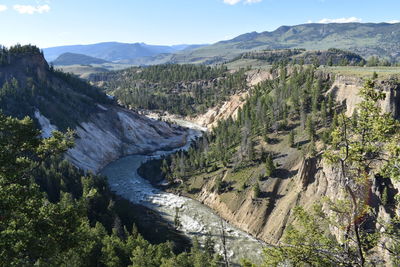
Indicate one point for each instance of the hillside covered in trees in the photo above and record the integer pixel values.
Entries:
(289, 120)
(56, 215)
(27, 81)
(330, 57)
(52, 213)
(178, 89)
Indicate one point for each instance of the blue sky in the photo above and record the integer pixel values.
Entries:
(60, 22)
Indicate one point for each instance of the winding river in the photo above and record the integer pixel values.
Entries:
(197, 219)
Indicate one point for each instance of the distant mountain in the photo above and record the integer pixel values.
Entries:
(67, 59)
(365, 39)
(114, 51)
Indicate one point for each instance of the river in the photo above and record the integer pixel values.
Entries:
(197, 219)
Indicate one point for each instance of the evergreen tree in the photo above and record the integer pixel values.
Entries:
(269, 166)
(291, 138)
(310, 128)
(256, 190)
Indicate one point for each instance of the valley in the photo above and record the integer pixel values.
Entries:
(269, 149)
(196, 220)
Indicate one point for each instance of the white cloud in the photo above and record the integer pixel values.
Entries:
(393, 21)
(252, 1)
(3, 8)
(28, 9)
(234, 2)
(340, 20)
(231, 2)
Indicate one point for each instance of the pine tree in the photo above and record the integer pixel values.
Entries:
(357, 147)
(310, 129)
(291, 138)
(324, 113)
(269, 166)
(256, 190)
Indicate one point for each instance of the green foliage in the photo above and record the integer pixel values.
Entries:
(310, 129)
(269, 166)
(29, 85)
(8, 55)
(218, 185)
(392, 233)
(330, 57)
(359, 145)
(179, 89)
(62, 225)
(385, 197)
(256, 190)
(291, 138)
(236, 144)
(309, 243)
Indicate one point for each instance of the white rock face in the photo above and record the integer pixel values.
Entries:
(47, 127)
(116, 132)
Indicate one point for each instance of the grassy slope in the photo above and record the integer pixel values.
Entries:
(366, 39)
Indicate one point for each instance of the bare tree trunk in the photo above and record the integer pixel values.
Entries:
(352, 195)
(355, 224)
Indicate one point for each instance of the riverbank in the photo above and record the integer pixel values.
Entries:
(151, 225)
(197, 220)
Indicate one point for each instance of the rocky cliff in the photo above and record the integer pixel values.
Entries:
(115, 132)
(345, 90)
(104, 130)
(312, 179)
(118, 132)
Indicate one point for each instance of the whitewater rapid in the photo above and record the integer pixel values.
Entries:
(197, 219)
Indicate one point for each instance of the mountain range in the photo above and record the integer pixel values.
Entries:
(114, 51)
(74, 58)
(365, 39)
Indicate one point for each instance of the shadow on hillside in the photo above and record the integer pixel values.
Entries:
(302, 143)
(284, 173)
(270, 195)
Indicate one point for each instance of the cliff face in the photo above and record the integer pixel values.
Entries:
(117, 132)
(345, 90)
(104, 131)
(267, 217)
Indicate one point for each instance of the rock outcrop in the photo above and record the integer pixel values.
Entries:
(267, 217)
(117, 132)
(346, 91)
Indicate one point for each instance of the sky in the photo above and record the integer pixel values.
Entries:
(48, 23)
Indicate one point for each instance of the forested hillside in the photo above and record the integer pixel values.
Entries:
(52, 213)
(28, 83)
(178, 89)
(292, 111)
(330, 57)
(55, 215)
(287, 121)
